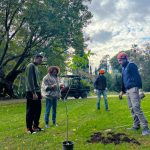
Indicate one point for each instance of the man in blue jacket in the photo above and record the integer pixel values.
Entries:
(131, 83)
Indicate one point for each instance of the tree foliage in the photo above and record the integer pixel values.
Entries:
(141, 57)
(28, 27)
(104, 63)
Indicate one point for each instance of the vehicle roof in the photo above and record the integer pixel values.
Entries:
(71, 76)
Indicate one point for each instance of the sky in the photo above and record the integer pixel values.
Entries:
(117, 25)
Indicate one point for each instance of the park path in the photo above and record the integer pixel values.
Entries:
(10, 101)
(24, 100)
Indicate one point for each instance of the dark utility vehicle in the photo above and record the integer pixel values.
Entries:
(73, 86)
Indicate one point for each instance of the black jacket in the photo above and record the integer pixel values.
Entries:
(100, 83)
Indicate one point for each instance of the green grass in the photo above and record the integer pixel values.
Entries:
(84, 120)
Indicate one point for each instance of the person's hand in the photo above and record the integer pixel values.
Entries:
(120, 95)
(95, 91)
(53, 86)
(141, 94)
(62, 86)
(35, 97)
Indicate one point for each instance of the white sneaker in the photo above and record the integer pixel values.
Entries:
(46, 126)
(146, 132)
(55, 124)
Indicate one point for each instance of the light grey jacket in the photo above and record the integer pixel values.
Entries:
(46, 87)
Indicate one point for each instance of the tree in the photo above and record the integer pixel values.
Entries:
(139, 56)
(79, 64)
(104, 63)
(28, 27)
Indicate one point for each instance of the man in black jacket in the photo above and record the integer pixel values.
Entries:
(100, 86)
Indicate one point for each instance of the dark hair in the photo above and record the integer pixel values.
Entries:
(38, 56)
(50, 69)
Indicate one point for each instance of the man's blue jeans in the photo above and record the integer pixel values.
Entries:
(104, 93)
(50, 103)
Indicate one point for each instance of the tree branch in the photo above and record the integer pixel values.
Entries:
(7, 28)
(12, 58)
(17, 28)
(13, 15)
(4, 52)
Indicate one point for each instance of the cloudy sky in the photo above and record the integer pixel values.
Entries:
(116, 25)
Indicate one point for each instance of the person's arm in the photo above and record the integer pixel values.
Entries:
(30, 78)
(95, 83)
(135, 75)
(49, 83)
(122, 85)
(105, 83)
(122, 89)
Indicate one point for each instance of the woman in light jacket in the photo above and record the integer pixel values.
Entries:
(51, 92)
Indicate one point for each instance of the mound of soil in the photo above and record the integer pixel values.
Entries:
(111, 137)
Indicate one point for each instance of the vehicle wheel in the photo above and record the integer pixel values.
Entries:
(76, 96)
(63, 97)
(84, 95)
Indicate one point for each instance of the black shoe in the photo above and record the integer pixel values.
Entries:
(37, 129)
(30, 131)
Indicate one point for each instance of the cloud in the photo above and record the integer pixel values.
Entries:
(102, 36)
(120, 9)
(100, 8)
(116, 25)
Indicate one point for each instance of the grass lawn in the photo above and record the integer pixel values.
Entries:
(84, 120)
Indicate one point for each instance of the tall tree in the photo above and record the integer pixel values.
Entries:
(141, 57)
(104, 63)
(33, 26)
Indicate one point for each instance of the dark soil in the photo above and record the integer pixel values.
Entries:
(111, 137)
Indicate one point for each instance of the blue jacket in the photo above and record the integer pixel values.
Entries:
(130, 77)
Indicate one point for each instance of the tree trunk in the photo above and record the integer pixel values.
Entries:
(6, 84)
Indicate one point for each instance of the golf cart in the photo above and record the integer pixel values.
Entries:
(72, 85)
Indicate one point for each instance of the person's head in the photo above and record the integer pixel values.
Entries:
(53, 70)
(122, 58)
(38, 59)
(101, 71)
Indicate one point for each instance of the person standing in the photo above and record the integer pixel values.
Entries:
(51, 92)
(100, 85)
(131, 83)
(33, 95)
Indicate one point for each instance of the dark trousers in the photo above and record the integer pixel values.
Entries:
(33, 110)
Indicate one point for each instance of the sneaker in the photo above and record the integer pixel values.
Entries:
(145, 132)
(37, 129)
(55, 124)
(28, 131)
(107, 110)
(134, 128)
(46, 126)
